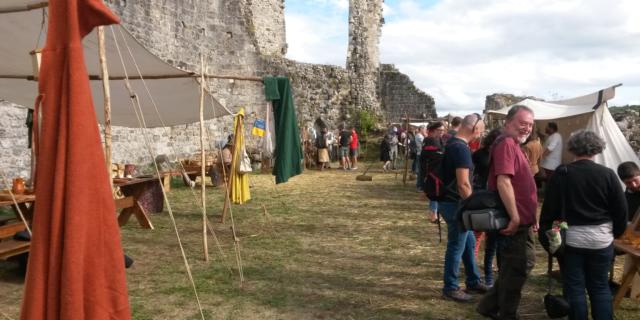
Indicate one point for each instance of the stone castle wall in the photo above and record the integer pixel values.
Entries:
(365, 26)
(15, 158)
(400, 96)
(500, 100)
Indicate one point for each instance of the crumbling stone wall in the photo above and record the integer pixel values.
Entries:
(500, 100)
(399, 96)
(365, 25)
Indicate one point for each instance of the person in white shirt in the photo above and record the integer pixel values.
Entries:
(415, 166)
(552, 155)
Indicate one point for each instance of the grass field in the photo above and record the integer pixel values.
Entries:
(330, 247)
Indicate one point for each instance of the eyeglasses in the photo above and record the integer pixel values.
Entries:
(479, 117)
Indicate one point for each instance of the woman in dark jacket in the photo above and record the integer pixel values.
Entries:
(385, 149)
(596, 211)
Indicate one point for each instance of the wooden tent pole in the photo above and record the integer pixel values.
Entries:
(203, 159)
(234, 166)
(104, 71)
(406, 149)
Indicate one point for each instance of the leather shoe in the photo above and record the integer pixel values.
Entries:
(480, 288)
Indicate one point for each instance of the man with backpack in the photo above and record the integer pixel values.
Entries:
(456, 172)
(429, 163)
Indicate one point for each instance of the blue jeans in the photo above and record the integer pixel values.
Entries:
(460, 247)
(433, 205)
(588, 269)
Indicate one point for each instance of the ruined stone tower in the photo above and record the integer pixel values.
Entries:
(363, 61)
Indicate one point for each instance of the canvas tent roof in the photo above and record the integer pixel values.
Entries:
(585, 112)
(175, 92)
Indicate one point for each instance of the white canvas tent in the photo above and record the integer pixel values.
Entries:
(417, 124)
(175, 92)
(585, 112)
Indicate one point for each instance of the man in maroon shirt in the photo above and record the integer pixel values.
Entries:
(510, 175)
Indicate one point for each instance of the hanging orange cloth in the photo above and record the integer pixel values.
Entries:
(76, 264)
(239, 181)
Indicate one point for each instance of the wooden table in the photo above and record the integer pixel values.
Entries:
(8, 227)
(142, 196)
(633, 253)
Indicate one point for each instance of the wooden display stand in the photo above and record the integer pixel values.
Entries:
(10, 225)
(630, 244)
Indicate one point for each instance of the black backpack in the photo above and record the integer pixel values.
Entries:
(431, 172)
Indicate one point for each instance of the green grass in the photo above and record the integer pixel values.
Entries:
(335, 248)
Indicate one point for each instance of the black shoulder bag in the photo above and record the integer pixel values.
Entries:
(483, 210)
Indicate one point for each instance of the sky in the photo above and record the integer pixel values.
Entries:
(460, 51)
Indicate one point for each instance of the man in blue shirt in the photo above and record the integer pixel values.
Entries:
(457, 170)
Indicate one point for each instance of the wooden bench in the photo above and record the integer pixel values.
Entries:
(130, 207)
(8, 246)
(5, 219)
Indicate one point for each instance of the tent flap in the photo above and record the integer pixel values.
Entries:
(174, 91)
(579, 113)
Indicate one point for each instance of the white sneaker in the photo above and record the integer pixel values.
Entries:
(192, 184)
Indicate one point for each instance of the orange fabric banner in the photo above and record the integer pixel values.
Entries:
(76, 264)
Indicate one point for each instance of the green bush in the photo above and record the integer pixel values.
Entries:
(367, 121)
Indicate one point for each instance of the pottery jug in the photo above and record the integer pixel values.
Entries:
(18, 186)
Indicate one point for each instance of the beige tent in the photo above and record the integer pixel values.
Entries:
(585, 112)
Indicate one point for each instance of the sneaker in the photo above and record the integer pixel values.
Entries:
(457, 295)
(192, 184)
(480, 288)
(354, 168)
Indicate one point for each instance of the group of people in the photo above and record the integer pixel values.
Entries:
(348, 146)
(584, 194)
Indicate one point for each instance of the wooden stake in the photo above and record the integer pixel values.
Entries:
(234, 168)
(203, 159)
(104, 71)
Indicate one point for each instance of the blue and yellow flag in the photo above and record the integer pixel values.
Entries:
(259, 127)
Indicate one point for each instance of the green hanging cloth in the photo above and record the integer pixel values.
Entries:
(288, 152)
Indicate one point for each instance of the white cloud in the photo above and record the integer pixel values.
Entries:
(459, 51)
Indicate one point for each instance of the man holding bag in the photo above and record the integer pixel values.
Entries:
(510, 175)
